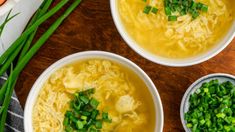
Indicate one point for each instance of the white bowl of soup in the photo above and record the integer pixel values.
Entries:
(184, 42)
(122, 89)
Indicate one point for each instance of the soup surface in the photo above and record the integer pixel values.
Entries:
(178, 39)
(119, 90)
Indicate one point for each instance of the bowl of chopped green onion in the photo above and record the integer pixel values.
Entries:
(209, 104)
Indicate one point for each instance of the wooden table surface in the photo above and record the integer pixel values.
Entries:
(91, 27)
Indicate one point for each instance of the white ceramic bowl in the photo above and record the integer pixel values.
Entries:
(88, 55)
(167, 61)
(196, 85)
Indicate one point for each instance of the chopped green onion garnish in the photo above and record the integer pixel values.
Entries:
(83, 114)
(204, 8)
(98, 124)
(199, 6)
(189, 125)
(68, 129)
(172, 18)
(183, 12)
(66, 121)
(211, 108)
(167, 11)
(195, 14)
(181, 7)
(154, 10)
(84, 99)
(84, 117)
(185, 3)
(194, 5)
(147, 9)
(175, 1)
(94, 114)
(94, 103)
(79, 124)
(105, 115)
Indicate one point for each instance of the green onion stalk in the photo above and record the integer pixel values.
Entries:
(23, 37)
(8, 18)
(26, 54)
(27, 32)
(28, 40)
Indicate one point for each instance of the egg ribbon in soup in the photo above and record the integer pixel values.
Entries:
(119, 91)
(183, 38)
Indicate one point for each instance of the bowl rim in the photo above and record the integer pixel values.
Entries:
(33, 94)
(193, 87)
(222, 44)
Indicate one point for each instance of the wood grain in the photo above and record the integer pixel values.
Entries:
(90, 27)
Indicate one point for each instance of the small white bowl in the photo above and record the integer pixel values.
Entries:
(196, 85)
(88, 55)
(167, 61)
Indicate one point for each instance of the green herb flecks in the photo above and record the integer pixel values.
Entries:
(175, 8)
(83, 114)
(183, 7)
(212, 108)
(147, 9)
(154, 10)
(172, 18)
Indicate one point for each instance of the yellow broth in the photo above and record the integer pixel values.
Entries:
(118, 89)
(181, 39)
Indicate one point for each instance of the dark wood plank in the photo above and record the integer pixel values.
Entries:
(91, 27)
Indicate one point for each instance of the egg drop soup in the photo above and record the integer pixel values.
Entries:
(118, 89)
(179, 39)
